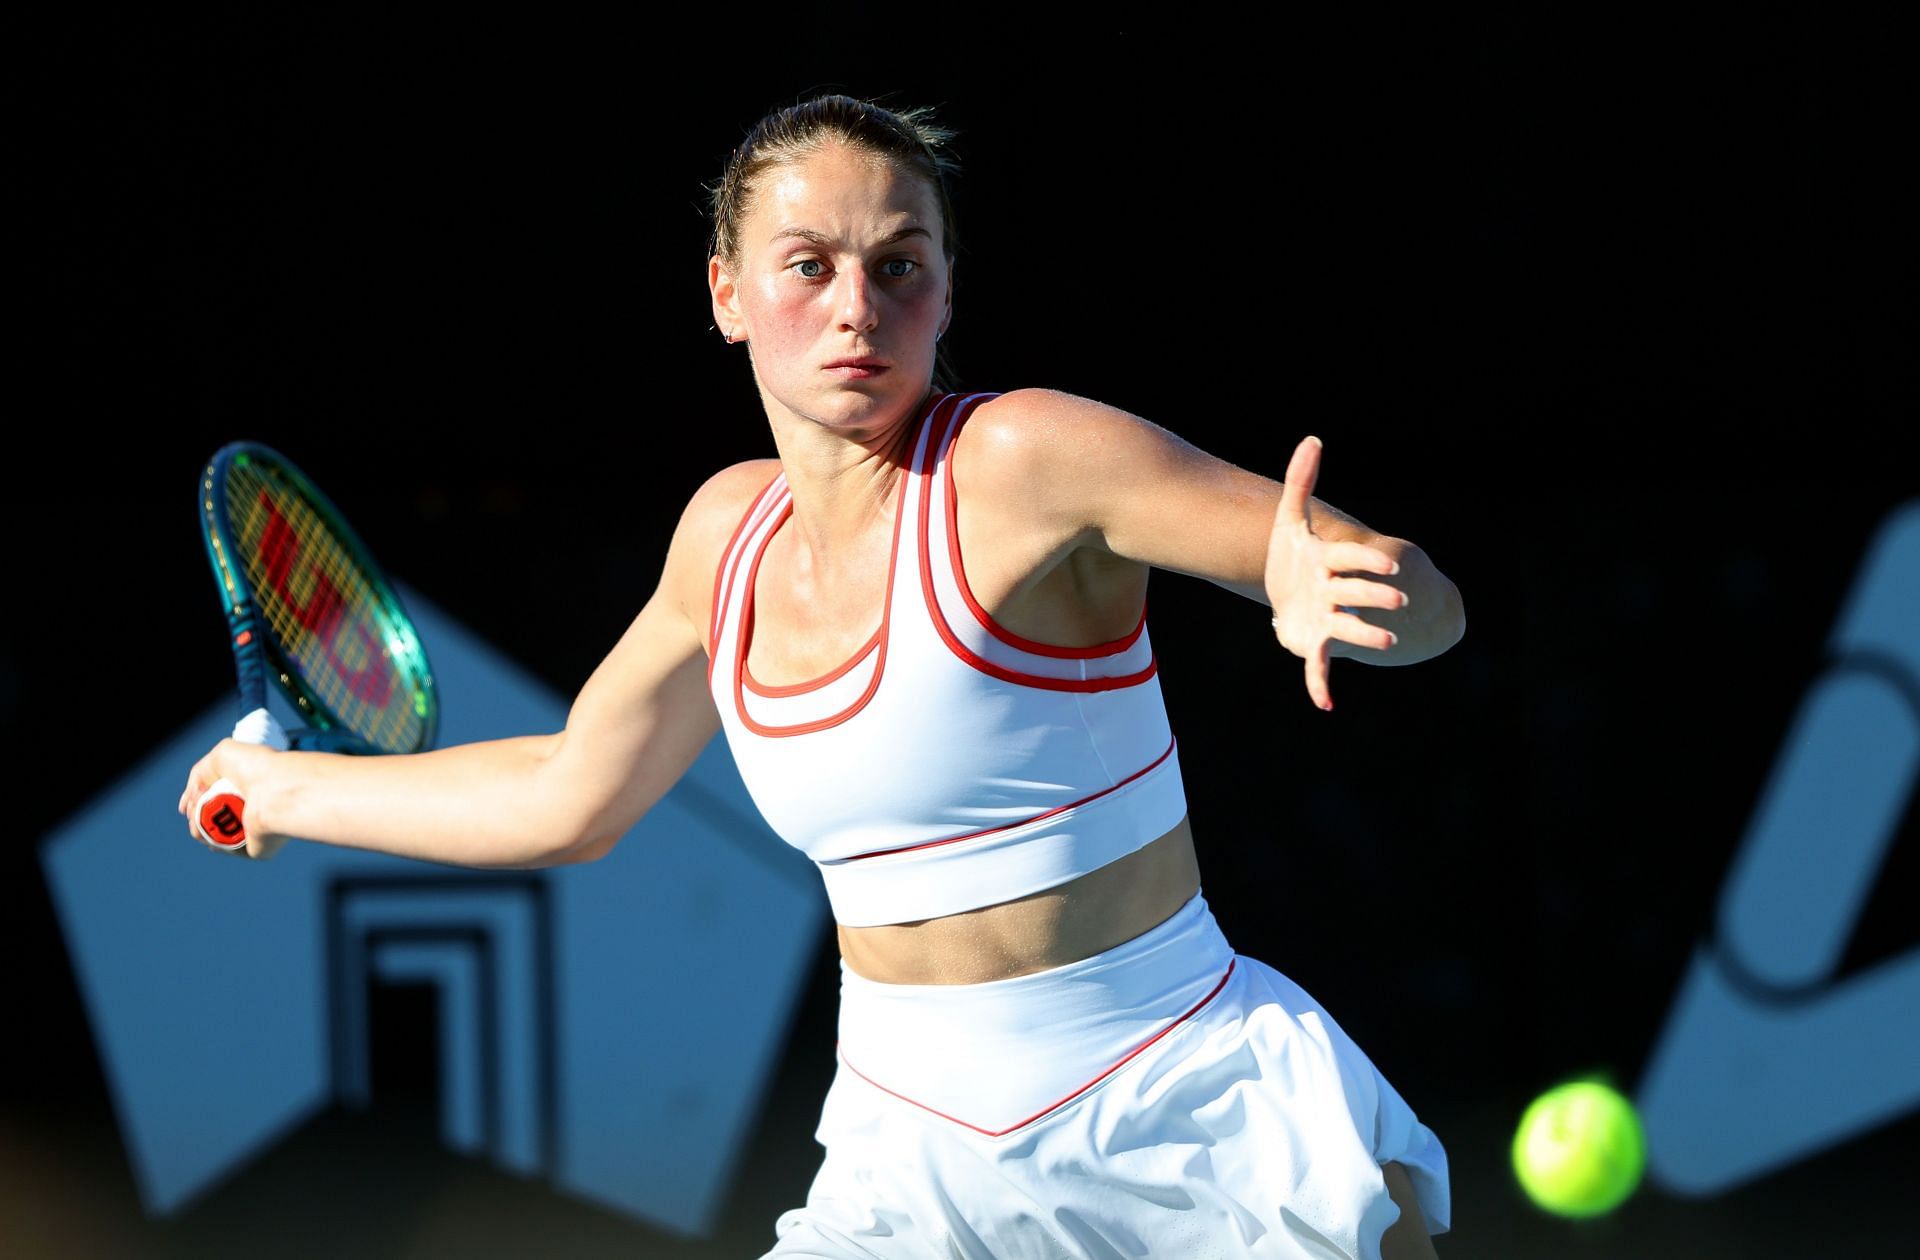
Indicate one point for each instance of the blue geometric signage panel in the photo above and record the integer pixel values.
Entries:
(611, 1027)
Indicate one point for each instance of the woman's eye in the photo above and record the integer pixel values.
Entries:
(898, 268)
(811, 268)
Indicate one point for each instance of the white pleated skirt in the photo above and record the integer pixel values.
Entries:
(1165, 1098)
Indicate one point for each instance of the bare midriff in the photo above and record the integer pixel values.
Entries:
(1076, 920)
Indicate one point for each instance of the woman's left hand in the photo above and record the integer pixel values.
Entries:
(1309, 584)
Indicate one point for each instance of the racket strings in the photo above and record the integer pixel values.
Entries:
(357, 655)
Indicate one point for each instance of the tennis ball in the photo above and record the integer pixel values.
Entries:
(1579, 1150)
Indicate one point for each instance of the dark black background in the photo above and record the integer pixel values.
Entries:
(1615, 319)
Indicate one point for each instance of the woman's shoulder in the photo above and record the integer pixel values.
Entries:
(1030, 460)
(734, 487)
(1035, 418)
(718, 506)
(713, 514)
(1085, 471)
(707, 526)
(1034, 436)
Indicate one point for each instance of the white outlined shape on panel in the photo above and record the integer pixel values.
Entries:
(1765, 1058)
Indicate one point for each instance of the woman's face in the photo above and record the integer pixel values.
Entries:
(841, 289)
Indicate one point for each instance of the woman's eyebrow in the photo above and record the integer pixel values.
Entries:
(823, 240)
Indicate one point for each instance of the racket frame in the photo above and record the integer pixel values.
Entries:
(257, 650)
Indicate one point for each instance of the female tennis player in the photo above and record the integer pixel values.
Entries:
(922, 629)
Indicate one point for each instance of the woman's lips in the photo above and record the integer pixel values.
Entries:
(856, 369)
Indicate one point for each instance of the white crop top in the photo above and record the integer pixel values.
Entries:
(948, 764)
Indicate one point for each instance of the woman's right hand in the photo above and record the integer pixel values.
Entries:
(241, 764)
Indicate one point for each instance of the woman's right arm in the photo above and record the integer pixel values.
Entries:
(534, 800)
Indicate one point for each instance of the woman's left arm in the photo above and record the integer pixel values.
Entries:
(1126, 486)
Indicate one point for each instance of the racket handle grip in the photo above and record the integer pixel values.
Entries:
(221, 813)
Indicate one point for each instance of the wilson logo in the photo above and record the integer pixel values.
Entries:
(226, 822)
(324, 611)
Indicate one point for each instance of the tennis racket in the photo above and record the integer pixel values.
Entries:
(306, 606)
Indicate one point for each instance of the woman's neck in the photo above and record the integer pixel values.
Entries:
(844, 483)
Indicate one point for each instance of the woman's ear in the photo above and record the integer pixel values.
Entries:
(726, 299)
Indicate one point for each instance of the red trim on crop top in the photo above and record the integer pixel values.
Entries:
(721, 570)
(981, 663)
(743, 639)
(774, 691)
(1111, 648)
(988, 831)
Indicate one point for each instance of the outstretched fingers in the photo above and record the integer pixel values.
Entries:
(1351, 629)
(1360, 593)
(1319, 676)
(1303, 470)
(1353, 557)
(1315, 584)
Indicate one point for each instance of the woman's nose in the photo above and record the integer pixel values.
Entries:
(857, 308)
